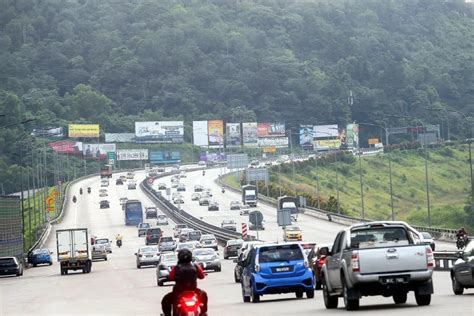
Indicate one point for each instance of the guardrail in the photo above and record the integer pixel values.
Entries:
(444, 260)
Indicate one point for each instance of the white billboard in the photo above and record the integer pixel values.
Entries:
(326, 131)
(97, 151)
(132, 154)
(232, 135)
(159, 132)
(119, 137)
(273, 142)
(200, 133)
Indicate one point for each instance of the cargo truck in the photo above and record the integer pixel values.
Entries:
(249, 195)
(288, 203)
(106, 171)
(73, 250)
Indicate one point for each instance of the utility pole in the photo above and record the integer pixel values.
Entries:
(361, 186)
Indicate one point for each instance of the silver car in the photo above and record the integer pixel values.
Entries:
(147, 256)
(104, 242)
(167, 262)
(208, 258)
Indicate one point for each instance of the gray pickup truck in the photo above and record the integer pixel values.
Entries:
(377, 258)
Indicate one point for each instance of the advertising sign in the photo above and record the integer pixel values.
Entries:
(200, 133)
(249, 134)
(84, 130)
(212, 156)
(119, 137)
(237, 161)
(66, 147)
(232, 132)
(373, 141)
(11, 228)
(352, 136)
(48, 132)
(159, 132)
(215, 131)
(326, 131)
(132, 154)
(279, 142)
(97, 151)
(269, 150)
(306, 136)
(271, 130)
(257, 174)
(325, 144)
(164, 157)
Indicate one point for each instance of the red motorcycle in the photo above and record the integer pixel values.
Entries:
(188, 304)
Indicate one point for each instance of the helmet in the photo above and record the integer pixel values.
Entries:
(185, 256)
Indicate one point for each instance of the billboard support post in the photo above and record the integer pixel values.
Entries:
(316, 157)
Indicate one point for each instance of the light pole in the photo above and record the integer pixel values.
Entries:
(292, 160)
(361, 186)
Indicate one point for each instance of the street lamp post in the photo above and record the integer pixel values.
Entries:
(361, 186)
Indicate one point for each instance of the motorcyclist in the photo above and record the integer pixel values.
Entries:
(461, 236)
(223, 190)
(80, 191)
(204, 172)
(74, 199)
(89, 190)
(461, 233)
(185, 273)
(118, 240)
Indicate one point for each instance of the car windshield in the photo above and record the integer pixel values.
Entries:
(166, 239)
(203, 252)
(234, 242)
(151, 209)
(6, 262)
(228, 222)
(153, 231)
(280, 253)
(41, 252)
(144, 225)
(187, 245)
(426, 236)
(293, 228)
(379, 237)
(101, 241)
(208, 237)
(168, 258)
(149, 249)
(181, 226)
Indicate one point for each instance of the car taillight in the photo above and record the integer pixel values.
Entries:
(355, 261)
(429, 258)
(320, 262)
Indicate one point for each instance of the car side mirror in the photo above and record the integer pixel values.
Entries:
(324, 251)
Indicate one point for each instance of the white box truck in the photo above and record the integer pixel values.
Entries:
(73, 250)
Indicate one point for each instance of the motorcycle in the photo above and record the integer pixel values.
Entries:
(119, 243)
(74, 199)
(187, 304)
(203, 173)
(462, 242)
(223, 190)
(80, 191)
(89, 190)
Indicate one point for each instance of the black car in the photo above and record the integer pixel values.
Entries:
(239, 266)
(10, 265)
(152, 236)
(463, 270)
(232, 247)
(104, 204)
(119, 182)
(151, 212)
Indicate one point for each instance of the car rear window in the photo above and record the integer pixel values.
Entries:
(153, 231)
(166, 239)
(280, 253)
(144, 225)
(379, 237)
(7, 262)
(151, 209)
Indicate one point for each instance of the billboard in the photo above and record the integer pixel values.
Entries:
(84, 130)
(232, 135)
(306, 136)
(273, 142)
(132, 154)
(326, 131)
(215, 131)
(164, 157)
(159, 132)
(97, 151)
(325, 144)
(11, 227)
(119, 137)
(352, 136)
(54, 132)
(212, 156)
(200, 133)
(271, 130)
(66, 147)
(249, 134)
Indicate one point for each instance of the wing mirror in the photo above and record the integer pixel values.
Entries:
(324, 251)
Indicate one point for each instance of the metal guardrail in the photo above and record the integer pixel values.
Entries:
(444, 260)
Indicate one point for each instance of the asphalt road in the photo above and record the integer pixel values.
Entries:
(117, 287)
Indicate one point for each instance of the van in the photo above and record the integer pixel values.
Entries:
(152, 236)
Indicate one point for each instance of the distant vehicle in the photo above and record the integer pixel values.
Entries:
(40, 256)
(201, 163)
(153, 235)
(249, 195)
(181, 187)
(239, 266)
(151, 212)
(167, 261)
(103, 193)
(161, 186)
(130, 175)
(73, 250)
(276, 268)
(133, 212)
(10, 265)
(316, 261)
(194, 235)
(106, 171)
(198, 188)
(132, 185)
(179, 199)
(182, 174)
(195, 197)
(104, 204)
(427, 239)
(244, 210)
(104, 183)
(208, 192)
(185, 245)
(119, 182)
(292, 233)
(160, 169)
(147, 256)
(177, 228)
(462, 270)
(183, 234)
(123, 200)
(166, 243)
(105, 242)
(204, 201)
(123, 178)
(231, 248)
(142, 227)
(174, 185)
(235, 205)
(213, 206)
(373, 257)
(209, 241)
(207, 258)
(229, 224)
(99, 252)
(162, 220)
(288, 203)
(256, 220)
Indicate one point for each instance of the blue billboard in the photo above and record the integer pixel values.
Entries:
(164, 157)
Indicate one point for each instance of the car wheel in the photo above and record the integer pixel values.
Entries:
(423, 299)
(329, 301)
(34, 265)
(317, 285)
(50, 263)
(400, 297)
(350, 304)
(255, 297)
(457, 287)
(299, 294)
(310, 294)
(236, 279)
(105, 258)
(160, 283)
(218, 269)
(139, 266)
(226, 258)
(246, 299)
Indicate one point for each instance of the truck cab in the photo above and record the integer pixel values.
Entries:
(249, 195)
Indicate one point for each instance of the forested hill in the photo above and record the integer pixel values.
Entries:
(114, 62)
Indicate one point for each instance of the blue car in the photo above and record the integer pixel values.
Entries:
(40, 256)
(275, 269)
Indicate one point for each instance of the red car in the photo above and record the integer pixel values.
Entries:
(316, 261)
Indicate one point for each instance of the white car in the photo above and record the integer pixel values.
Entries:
(201, 163)
(105, 242)
(195, 197)
(428, 239)
(104, 183)
(208, 241)
(186, 245)
(177, 229)
(244, 210)
(147, 256)
(103, 193)
(162, 220)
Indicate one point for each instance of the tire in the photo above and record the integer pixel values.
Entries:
(246, 299)
(457, 287)
(139, 266)
(217, 269)
(62, 271)
(310, 294)
(317, 285)
(226, 258)
(423, 300)
(351, 305)
(236, 279)
(34, 265)
(159, 283)
(66, 271)
(105, 258)
(400, 297)
(299, 294)
(50, 263)
(255, 297)
(330, 302)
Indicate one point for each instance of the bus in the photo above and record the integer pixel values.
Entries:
(133, 212)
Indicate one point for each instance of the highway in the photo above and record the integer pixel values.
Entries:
(117, 287)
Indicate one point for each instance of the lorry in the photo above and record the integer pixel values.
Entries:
(256, 220)
(106, 171)
(73, 250)
(288, 203)
(384, 258)
(249, 195)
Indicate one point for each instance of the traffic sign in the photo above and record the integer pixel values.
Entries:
(237, 161)
(257, 174)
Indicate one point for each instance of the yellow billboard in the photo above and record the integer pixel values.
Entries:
(84, 130)
(327, 143)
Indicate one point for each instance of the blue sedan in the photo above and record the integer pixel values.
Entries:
(40, 256)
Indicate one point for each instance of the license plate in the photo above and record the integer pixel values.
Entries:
(150, 256)
(395, 279)
(282, 269)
